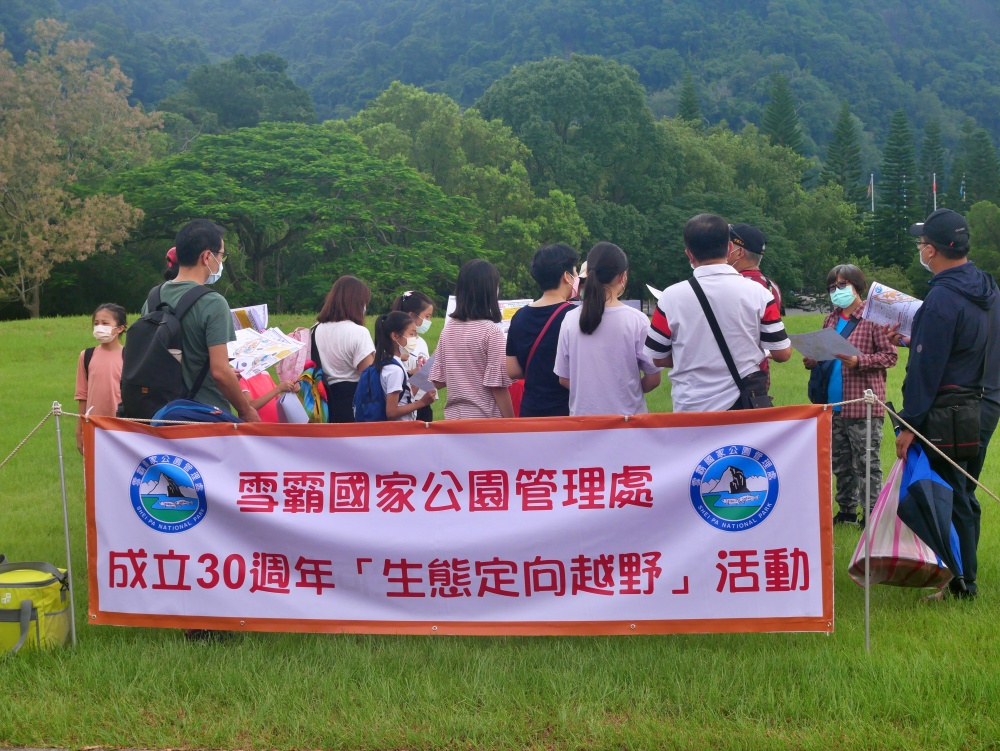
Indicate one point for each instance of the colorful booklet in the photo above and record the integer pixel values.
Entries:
(888, 307)
(252, 317)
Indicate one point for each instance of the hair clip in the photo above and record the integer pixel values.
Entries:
(407, 293)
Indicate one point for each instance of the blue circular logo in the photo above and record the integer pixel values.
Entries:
(168, 493)
(734, 488)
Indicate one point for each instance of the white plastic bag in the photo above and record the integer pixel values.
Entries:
(290, 409)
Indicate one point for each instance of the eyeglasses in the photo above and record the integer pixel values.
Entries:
(222, 256)
(839, 285)
(734, 235)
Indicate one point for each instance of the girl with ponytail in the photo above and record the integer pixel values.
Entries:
(420, 308)
(607, 273)
(393, 333)
(600, 354)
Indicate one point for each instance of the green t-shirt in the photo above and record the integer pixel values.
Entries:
(207, 324)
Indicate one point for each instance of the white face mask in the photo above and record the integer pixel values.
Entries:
(920, 257)
(104, 334)
(408, 344)
(213, 277)
(424, 327)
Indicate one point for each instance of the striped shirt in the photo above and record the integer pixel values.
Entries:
(750, 321)
(776, 291)
(470, 360)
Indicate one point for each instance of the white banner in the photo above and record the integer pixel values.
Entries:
(655, 524)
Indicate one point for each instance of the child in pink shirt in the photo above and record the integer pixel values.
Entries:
(99, 369)
(261, 390)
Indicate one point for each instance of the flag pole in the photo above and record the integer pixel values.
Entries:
(871, 193)
(934, 186)
(57, 410)
(868, 529)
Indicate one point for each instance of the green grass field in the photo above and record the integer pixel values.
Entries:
(931, 681)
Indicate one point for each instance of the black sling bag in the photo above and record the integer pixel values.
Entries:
(753, 388)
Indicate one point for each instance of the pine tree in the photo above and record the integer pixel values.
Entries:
(688, 107)
(932, 157)
(899, 203)
(958, 197)
(781, 122)
(982, 168)
(843, 158)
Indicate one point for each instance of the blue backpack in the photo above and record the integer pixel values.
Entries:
(186, 410)
(369, 398)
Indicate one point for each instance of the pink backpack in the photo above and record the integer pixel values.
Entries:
(292, 366)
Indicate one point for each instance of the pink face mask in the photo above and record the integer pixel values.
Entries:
(575, 289)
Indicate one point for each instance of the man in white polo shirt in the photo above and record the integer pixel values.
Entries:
(680, 336)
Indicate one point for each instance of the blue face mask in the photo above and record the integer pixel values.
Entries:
(213, 277)
(842, 298)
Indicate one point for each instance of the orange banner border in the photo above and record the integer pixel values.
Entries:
(473, 628)
(822, 624)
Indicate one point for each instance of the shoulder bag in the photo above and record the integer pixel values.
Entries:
(516, 388)
(753, 388)
(952, 423)
(819, 376)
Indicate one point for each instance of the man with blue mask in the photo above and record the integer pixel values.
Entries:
(208, 326)
(950, 358)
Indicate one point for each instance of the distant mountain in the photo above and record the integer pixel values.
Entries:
(755, 483)
(161, 486)
(933, 58)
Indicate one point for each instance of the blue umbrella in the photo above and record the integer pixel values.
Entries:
(925, 503)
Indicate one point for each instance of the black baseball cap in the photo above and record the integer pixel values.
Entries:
(944, 227)
(749, 237)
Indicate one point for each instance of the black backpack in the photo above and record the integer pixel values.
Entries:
(151, 375)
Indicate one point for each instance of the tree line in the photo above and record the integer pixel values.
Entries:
(411, 186)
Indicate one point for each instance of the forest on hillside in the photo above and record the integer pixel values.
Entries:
(936, 60)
